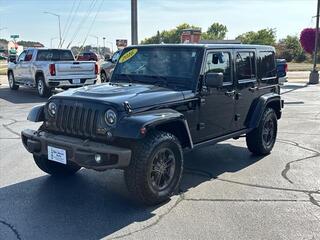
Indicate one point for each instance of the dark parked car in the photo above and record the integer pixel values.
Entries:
(161, 100)
(107, 67)
(87, 56)
(282, 69)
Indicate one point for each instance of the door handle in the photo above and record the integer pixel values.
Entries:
(230, 93)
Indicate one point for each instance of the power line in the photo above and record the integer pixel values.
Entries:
(66, 32)
(93, 3)
(93, 21)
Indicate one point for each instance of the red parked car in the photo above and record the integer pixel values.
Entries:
(87, 56)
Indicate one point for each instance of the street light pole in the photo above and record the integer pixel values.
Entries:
(58, 16)
(97, 38)
(314, 75)
(52, 40)
(134, 22)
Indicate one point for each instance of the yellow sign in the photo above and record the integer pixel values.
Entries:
(125, 57)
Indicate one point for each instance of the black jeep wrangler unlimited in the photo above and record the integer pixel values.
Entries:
(161, 100)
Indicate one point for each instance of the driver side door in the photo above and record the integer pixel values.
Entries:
(217, 110)
(19, 67)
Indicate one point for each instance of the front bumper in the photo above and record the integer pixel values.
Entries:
(68, 82)
(81, 152)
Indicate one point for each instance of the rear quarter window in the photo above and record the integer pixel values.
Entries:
(267, 65)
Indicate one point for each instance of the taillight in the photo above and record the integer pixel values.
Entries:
(96, 69)
(52, 69)
(286, 67)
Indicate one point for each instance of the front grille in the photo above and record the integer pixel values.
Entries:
(76, 120)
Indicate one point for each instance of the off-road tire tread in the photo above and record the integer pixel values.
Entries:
(254, 138)
(135, 181)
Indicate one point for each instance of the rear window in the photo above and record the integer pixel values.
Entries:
(55, 55)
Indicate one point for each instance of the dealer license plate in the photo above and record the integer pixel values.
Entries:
(57, 155)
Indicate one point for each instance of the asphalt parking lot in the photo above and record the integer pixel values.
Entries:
(226, 193)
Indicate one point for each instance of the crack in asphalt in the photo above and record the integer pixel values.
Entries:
(288, 165)
(6, 126)
(12, 228)
(179, 200)
(242, 200)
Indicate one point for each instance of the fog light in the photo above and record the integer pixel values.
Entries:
(97, 157)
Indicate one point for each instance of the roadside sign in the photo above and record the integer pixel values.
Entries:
(121, 43)
(14, 36)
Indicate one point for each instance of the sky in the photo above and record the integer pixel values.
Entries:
(111, 18)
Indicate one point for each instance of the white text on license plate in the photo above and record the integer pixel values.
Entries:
(57, 155)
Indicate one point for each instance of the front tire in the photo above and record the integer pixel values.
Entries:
(42, 88)
(12, 82)
(261, 140)
(156, 168)
(54, 168)
(103, 77)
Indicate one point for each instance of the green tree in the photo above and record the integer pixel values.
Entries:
(216, 31)
(263, 37)
(290, 49)
(168, 36)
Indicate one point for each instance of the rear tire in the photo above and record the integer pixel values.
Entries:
(261, 140)
(103, 77)
(12, 82)
(54, 168)
(155, 169)
(42, 88)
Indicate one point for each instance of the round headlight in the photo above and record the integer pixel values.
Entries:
(52, 109)
(110, 117)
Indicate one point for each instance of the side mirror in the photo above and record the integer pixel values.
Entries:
(214, 80)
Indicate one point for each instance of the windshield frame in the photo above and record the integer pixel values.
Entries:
(191, 82)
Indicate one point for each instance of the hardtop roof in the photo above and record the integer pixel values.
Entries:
(209, 46)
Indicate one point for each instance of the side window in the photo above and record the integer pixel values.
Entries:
(116, 56)
(28, 56)
(245, 65)
(219, 62)
(267, 65)
(22, 56)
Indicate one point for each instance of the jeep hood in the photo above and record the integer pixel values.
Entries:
(138, 95)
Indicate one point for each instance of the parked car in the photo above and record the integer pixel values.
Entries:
(107, 67)
(161, 100)
(47, 69)
(88, 56)
(282, 69)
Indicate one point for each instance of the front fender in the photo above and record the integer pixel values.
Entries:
(129, 126)
(261, 105)
(36, 114)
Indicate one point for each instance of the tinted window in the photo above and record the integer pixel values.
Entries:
(267, 66)
(168, 65)
(245, 64)
(22, 56)
(55, 55)
(219, 62)
(29, 55)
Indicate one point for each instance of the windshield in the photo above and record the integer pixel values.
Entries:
(55, 55)
(170, 66)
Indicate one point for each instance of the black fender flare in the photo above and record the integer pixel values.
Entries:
(262, 102)
(130, 126)
(37, 114)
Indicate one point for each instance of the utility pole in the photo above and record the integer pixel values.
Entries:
(134, 22)
(58, 16)
(314, 75)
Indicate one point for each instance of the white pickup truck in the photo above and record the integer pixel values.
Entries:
(47, 69)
